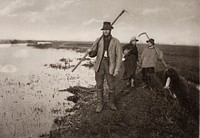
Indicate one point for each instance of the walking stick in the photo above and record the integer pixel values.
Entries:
(144, 33)
(87, 52)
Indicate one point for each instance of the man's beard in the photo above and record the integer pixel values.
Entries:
(109, 34)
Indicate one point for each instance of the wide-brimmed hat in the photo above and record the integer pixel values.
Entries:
(151, 40)
(107, 26)
(134, 39)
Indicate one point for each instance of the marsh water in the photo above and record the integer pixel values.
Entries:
(29, 89)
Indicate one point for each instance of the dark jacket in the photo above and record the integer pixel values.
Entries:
(132, 50)
(130, 62)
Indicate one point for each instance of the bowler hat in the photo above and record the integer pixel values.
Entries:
(151, 40)
(107, 26)
(134, 39)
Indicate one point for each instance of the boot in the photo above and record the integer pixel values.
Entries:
(99, 100)
(111, 101)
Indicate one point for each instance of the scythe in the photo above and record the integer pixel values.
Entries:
(87, 52)
(144, 33)
(168, 79)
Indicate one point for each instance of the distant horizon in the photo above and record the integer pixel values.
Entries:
(171, 22)
(93, 41)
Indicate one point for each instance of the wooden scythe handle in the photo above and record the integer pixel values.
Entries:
(155, 48)
(87, 52)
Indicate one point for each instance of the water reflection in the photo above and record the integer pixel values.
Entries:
(5, 45)
(30, 99)
(8, 69)
(22, 53)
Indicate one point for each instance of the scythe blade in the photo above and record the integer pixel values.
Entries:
(141, 34)
(144, 33)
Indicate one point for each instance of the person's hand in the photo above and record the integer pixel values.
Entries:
(89, 50)
(166, 87)
(116, 73)
(126, 51)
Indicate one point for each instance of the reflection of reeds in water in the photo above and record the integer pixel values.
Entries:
(79, 49)
(89, 64)
(60, 66)
(64, 63)
(84, 59)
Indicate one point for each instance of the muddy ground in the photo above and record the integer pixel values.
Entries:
(141, 113)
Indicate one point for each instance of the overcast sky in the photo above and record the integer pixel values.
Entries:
(167, 21)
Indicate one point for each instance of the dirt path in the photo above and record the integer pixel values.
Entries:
(141, 113)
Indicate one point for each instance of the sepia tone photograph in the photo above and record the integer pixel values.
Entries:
(99, 68)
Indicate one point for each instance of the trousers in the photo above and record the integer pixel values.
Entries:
(103, 73)
(148, 75)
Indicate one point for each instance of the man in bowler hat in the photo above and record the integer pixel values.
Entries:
(108, 53)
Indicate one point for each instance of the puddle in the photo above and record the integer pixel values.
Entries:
(30, 98)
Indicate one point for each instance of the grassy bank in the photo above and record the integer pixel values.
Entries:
(141, 113)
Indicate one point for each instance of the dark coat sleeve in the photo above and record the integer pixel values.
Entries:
(135, 52)
(93, 54)
(125, 47)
